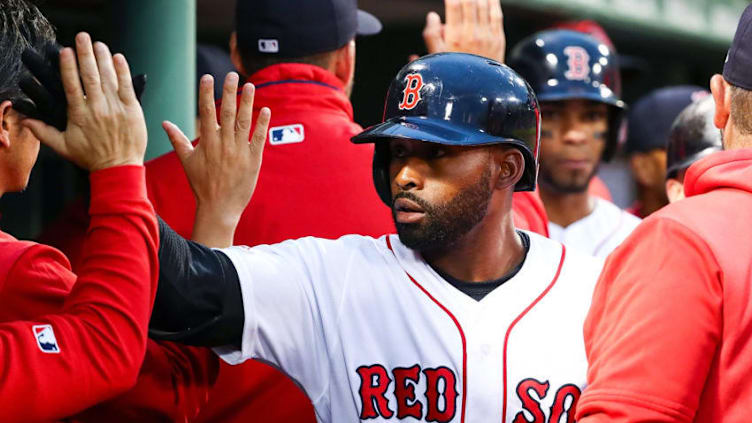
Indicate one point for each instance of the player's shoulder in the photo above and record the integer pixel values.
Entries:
(310, 246)
(569, 258)
(607, 211)
(19, 259)
(12, 249)
(610, 209)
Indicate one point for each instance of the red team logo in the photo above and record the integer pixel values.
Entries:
(439, 402)
(411, 94)
(578, 61)
(531, 392)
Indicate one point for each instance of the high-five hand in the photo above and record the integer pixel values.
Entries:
(105, 126)
(472, 26)
(223, 168)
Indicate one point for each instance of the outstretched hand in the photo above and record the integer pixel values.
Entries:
(223, 167)
(105, 123)
(472, 26)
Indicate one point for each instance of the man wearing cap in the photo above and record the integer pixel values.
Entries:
(668, 334)
(301, 58)
(693, 137)
(649, 123)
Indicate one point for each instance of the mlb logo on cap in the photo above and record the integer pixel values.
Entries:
(287, 134)
(46, 340)
(268, 46)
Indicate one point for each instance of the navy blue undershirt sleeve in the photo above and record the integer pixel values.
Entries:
(198, 299)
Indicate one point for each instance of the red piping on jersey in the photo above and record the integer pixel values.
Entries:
(514, 322)
(459, 328)
(614, 232)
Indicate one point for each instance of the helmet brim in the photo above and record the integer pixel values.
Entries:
(428, 130)
(611, 101)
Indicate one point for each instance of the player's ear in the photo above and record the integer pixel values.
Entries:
(674, 190)
(641, 168)
(511, 165)
(235, 56)
(722, 97)
(6, 122)
(344, 62)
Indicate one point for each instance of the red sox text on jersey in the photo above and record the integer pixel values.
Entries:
(370, 331)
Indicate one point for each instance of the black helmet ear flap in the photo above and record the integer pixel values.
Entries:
(381, 180)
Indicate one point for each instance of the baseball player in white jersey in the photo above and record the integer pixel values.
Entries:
(598, 233)
(458, 318)
(577, 82)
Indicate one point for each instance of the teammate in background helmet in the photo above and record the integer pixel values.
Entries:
(692, 137)
(650, 121)
(453, 319)
(578, 86)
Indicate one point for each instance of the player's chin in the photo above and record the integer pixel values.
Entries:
(571, 182)
(413, 237)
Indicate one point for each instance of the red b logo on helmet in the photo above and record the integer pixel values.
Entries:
(411, 94)
(577, 60)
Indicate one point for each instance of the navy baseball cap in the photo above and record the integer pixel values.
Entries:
(295, 28)
(738, 67)
(651, 116)
(214, 61)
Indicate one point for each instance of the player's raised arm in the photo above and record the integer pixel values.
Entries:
(200, 300)
(472, 26)
(223, 168)
(57, 365)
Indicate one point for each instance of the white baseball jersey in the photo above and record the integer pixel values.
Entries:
(598, 233)
(370, 331)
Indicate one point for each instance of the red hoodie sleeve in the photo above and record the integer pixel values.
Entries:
(653, 327)
(173, 386)
(59, 364)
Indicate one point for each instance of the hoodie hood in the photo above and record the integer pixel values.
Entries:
(724, 169)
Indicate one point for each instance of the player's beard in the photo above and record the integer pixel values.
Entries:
(567, 184)
(444, 224)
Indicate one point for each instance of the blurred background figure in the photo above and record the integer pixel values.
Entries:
(693, 136)
(577, 81)
(650, 120)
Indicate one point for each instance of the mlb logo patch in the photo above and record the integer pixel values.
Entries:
(46, 340)
(287, 134)
(268, 46)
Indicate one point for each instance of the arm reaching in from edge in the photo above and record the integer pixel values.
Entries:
(59, 364)
(200, 301)
(472, 26)
(223, 168)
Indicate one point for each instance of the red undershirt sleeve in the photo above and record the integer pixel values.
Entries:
(653, 327)
(59, 364)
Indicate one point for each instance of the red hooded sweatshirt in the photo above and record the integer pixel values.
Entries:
(72, 340)
(669, 334)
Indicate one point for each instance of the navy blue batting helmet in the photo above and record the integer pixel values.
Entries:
(692, 137)
(457, 99)
(565, 65)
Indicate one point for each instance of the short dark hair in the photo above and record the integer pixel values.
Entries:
(253, 63)
(741, 108)
(22, 25)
